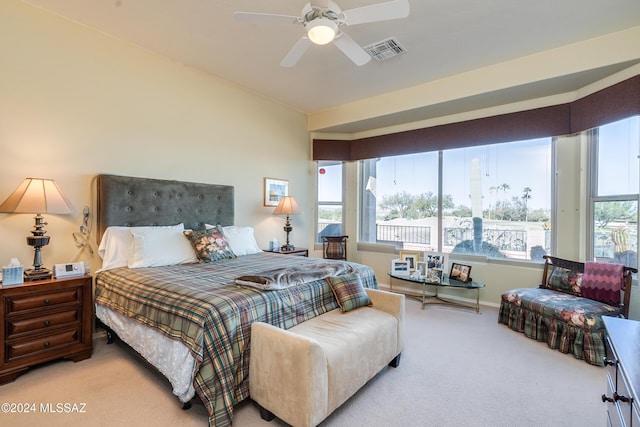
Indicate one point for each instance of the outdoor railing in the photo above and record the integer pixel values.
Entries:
(504, 240)
(403, 233)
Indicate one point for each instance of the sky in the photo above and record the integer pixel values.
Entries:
(499, 164)
(619, 155)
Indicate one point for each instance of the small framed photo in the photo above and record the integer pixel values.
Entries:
(460, 272)
(400, 267)
(412, 257)
(274, 190)
(437, 260)
(434, 275)
(421, 267)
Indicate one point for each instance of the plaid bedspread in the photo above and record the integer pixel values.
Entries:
(200, 305)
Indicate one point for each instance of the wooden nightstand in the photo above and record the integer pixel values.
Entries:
(42, 321)
(296, 251)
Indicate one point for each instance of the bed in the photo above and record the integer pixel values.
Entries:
(190, 319)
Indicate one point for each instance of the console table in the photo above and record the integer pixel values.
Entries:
(444, 283)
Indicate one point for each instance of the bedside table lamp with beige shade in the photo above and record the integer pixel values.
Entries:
(37, 196)
(287, 206)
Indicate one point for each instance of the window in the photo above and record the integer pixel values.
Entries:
(400, 201)
(615, 188)
(492, 200)
(330, 204)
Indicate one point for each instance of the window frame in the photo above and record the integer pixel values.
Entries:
(593, 141)
(342, 203)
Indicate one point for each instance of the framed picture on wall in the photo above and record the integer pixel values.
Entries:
(274, 190)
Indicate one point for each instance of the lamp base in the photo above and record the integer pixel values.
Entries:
(33, 274)
(286, 248)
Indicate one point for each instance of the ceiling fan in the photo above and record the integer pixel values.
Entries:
(323, 19)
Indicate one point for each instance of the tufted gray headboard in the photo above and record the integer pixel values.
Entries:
(130, 201)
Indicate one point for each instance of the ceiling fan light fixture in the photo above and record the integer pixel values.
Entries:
(321, 31)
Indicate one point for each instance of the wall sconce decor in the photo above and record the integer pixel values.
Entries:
(287, 206)
(37, 196)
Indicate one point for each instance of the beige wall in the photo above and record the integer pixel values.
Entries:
(75, 103)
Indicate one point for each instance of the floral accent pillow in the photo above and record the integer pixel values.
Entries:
(210, 245)
(565, 280)
(349, 291)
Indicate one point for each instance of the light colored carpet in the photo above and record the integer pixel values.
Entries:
(458, 369)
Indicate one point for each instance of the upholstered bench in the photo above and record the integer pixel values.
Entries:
(302, 374)
(560, 313)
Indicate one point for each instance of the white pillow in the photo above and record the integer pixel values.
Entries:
(115, 247)
(155, 247)
(240, 239)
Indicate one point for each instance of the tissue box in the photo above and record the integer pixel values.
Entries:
(12, 276)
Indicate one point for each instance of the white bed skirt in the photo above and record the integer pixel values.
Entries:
(172, 358)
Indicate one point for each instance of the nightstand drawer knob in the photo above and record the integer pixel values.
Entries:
(47, 300)
(621, 398)
(606, 398)
(47, 323)
(46, 344)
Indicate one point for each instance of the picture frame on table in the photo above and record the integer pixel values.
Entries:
(421, 267)
(460, 272)
(274, 190)
(434, 275)
(436, 266)
(412, 257)
(437, 260)
(400, 267)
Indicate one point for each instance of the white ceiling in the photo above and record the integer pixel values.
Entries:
(442, 38)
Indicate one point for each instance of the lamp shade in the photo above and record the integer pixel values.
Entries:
(37, 195)
(287, 206)
(321, 31)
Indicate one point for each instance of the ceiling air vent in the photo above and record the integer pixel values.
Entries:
(385, 49)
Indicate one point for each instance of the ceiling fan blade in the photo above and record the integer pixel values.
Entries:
(352, 49)
(377, 12)
(265, 18)
(296, 52)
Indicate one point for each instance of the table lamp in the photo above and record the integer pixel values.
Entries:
(37, 196)
(287, 206)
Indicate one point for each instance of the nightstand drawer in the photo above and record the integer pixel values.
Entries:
(20, 303)
(20, 326)
(50, 342)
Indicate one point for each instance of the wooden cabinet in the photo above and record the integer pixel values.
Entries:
(42, 321)
(623, 375)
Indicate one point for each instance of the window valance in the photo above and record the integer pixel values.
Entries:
(608, 105)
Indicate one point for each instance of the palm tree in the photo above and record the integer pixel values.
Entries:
(491, 191)
(525, 198)
(504, 187)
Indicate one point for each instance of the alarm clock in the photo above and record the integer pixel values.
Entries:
(72, 269)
